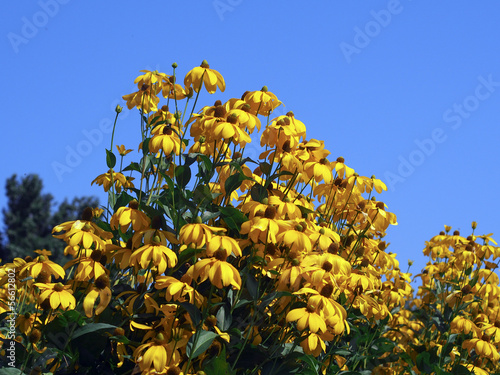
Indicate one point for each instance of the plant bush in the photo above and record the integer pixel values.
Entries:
(205, 261)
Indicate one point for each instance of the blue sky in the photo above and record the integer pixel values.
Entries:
(406, 90)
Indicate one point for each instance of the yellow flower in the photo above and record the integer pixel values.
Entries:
(154, 354)
(59, 295)
(144, 99)
(307, 318)
(42, 263)
(264, 229)
(313, 344)
(262, 101)
(203, 74)
(166, 138)
(150, 78)
(118, 180)
(197, 234)
(227, 244)
(155, 252)
(125, 216)
(89, 265)
(178, 290)
(122, 151)
(220, 272)
(482, 347)
(101, 290)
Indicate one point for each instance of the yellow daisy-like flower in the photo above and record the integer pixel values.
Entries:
(178, 290)
(126, 216)
(122, 151)
(313, 344)
(203, 74)
(150, 78)
(197, 234)
(59, 295)
(117, 179)
(100, 290)
(156, 252)
(88, 266)
(42, 263)
(464, 325)
(146, 98)
(483, 348)
(307, 318)
(154, 355)
(220, 272)
(166, 138)
(262, 101)
(227, 244)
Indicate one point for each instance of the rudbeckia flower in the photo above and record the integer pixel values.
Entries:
(126, 216)
(178, 290)
(42, 263)
(156, 253)
(313, 344)
(89, 267)
(197, 234)
(145, 99)
(227, 244)
(166, 138)
(220, 272)
(262, 101)
(115, 178)
(58, 295)
(122, 151)
(203, 74)
(155, 353)
(482, 347)
(101, 290)
(307, 318)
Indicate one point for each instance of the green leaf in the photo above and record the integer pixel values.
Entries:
(461, 370)
(145, 146)
(218, 365)
(258, 192)
(182, 175)
(224, 318)
(233, 217)
(133, 167)
(424, 362)
(91, 327)
(203, 341)
(233, 182)
(11, 371)
(193, 312)
(122, 200)
(110, 159)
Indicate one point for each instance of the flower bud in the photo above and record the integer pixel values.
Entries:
(118, 108)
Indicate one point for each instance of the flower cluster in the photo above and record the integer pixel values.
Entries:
(211, 262)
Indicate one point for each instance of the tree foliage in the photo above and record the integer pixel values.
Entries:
(29, 217)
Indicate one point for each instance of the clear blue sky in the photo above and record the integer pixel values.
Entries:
(406, 90)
